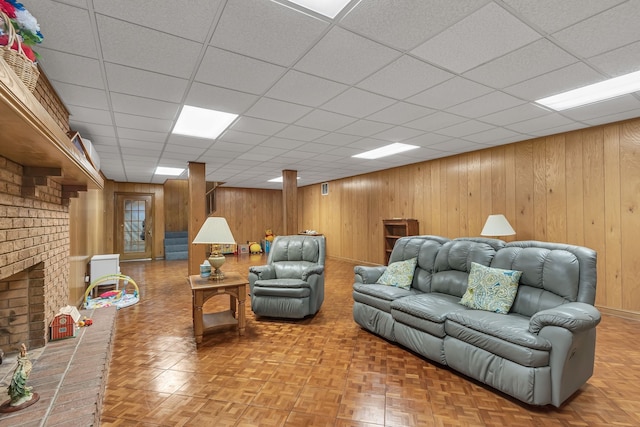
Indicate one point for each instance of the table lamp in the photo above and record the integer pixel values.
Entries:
(215, 232)
(497, 226)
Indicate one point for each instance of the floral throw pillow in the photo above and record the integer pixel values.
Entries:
(399, 274)
(491, 289)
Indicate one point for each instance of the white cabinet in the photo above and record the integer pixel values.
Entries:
(104, 265)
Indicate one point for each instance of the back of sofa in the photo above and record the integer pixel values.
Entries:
(552, 274)
(453, 263)
(425, 248)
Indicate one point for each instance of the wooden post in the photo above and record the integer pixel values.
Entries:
(290, 201)
(197, 214)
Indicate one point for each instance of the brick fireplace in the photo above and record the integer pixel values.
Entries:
(34, 256)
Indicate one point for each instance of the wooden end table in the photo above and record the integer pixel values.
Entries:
(202, 289)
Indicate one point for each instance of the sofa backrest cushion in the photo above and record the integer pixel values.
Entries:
(425, 248)
(291, 255)
(552, 274)
(453, 263)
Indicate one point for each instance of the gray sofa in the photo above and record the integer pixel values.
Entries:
(540, 352)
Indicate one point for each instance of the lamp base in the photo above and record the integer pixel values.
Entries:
(216, 261)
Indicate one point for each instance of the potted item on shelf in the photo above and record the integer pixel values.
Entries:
(19, 31)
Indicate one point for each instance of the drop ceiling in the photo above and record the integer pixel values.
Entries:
(310, 92)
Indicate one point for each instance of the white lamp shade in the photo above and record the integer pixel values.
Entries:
(497, 225)
(215, 230)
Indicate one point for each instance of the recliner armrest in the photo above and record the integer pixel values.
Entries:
(368, 274)
(316, 269)
(264, 272)
(574, 316)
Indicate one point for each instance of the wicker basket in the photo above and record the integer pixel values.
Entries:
(26, 70)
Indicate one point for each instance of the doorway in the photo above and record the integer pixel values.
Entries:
(134, 225)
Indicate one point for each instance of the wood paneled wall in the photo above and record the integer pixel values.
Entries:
(250, 211)
(580, 187)
(176, 205)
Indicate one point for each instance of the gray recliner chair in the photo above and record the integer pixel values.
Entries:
(291, 285)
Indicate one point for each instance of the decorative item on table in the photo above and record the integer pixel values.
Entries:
(64, 322)
(205, 269)
(215, 232)
(19, 31)
(255, 248)
(268, 235)
(20, 396)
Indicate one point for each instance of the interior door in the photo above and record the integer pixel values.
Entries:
(134, 225)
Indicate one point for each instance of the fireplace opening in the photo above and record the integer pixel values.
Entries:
(22, 313)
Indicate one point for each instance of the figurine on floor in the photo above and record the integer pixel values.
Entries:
(18, 390)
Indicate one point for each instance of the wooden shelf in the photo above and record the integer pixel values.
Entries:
(31, 137)
(394, 229)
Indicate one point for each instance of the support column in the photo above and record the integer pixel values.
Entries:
(197, 214)
(290, 202)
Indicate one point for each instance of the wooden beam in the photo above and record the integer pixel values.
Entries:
(197, 214)
(290, 201)
(35, 171)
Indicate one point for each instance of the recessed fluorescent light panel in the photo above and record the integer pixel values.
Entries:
(202, 123)
(387, 150)
(161, 170)
(328, 8)
(607, 89)
(278, 179)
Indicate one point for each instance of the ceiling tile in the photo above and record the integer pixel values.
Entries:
(68, 68)
(144, 83)
(365, 128)
(56, 32)
(404, 77)
(567, 78)
(485, 104)
(261, 154)
(539, 57)
(82, 96)
(231, 135)
(400, 113)
(553, 15)
(325, 120)
(606, 31)
(345, 57)
(496, 136)
(466, 128)
(89, 115)
(619, 61)
(604, 108)
(450, 93)
(300, 133)
(142, 135)
(251, 124)
(94, 131)
(271, 109)
(288, 144)
(338, 139)
(551, 120)
(144, 106)
(144, 123)
(435, 121)
(193, 21)
(144, 145)
(266, 30)
(407, 23)
(397, 134)
(515, 114)
(457, 146)
(480, 37)
(154, 50)
(219, 99)
(614, 117)
(357, 103)
(233, 71)
(305, 89)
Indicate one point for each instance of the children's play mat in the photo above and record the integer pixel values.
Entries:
(126, 292)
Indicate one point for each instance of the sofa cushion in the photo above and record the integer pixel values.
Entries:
(288, 288)
(379, 296)
(399, 274)
(507, 336)
(491, 289)
(426, 312)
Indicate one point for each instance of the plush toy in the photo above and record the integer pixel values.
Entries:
(255, 248)
(268, 235)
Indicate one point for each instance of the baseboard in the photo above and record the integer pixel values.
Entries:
(355, 261)
(631, 315)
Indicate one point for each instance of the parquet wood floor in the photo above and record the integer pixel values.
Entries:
(321, 371)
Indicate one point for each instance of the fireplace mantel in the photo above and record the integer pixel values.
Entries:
(30, 136)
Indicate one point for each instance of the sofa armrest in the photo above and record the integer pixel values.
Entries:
(368, 274)
(574, 316)
(263, 272)
(316, 269)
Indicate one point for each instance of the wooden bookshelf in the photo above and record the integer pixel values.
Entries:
(394, 229)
